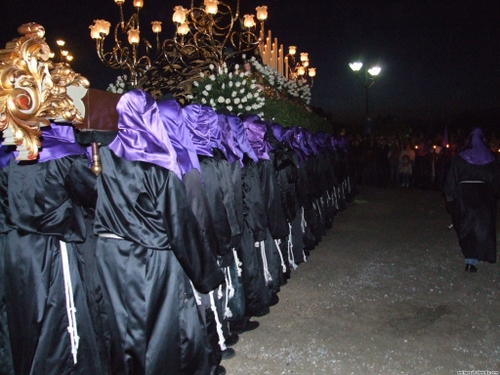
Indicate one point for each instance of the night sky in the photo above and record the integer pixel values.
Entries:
(439, 59)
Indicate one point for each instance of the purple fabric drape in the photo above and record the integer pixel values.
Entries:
(5, 156)
(240, 138)
(141, 133)
(229, 145)
(292, 138)
(172, 116)
(197, 119)
(310, 141)
(476, 151)
(321, 138)
(278, 131)
(256, 130)
(57, 141)
(215, 130)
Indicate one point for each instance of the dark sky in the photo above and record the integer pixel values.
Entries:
(439, 58)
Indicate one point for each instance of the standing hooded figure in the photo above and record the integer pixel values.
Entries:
(471, 190)
(151, 249)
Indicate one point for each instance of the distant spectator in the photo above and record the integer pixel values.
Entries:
(405, 171)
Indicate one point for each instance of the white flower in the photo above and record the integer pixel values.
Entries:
(237, 83)
(212, 77)
(211, 66)
(208, 87)
(233, 94)
(236, 100)
(220, 99)
(203, 101)
(205, 93)
(196, 83)
(229, 108)
(248, 108)
(228, 101)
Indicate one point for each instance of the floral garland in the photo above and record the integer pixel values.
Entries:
(234, 91)
(120, 86)
(290, 88)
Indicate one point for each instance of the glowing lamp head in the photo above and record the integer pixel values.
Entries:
(211, 7)
(304, 56)
(60, 42)
(356, 66)
(248, 21)
(138, 4)
(133, 36)
(156, 26)
(119, 2)
(180, 14)
(261, 13)
(183, 28)
(301, 70)
(305, 64)
(311, 72)
(99, 29)
(374, 71)
(69, 58)
(292, 50)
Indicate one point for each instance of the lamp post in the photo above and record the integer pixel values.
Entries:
(366, 77)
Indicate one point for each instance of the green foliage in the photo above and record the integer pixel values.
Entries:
(288, 114)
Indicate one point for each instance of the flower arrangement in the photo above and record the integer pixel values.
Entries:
(223, 90)
(290, 88)
(120, 86)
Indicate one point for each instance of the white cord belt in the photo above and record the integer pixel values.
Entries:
(70, 302)
(110, 235)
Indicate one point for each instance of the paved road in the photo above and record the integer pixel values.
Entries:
(384, 293)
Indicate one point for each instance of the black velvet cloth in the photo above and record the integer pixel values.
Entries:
(474, 209)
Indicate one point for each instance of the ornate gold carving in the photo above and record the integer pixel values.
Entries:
(33, 90)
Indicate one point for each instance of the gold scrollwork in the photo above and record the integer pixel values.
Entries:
(33, 90)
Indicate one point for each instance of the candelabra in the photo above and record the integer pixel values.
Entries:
(366, 77)
(297, 69)
(64, 54)
(209, 33)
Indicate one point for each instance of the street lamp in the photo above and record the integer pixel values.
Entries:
(366, 77)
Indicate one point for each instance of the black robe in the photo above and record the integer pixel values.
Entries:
(5, 351)
(40, 215)
(147, 274)
(257, 294)
(474, 190)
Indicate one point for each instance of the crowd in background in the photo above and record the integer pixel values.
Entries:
(409, 160)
